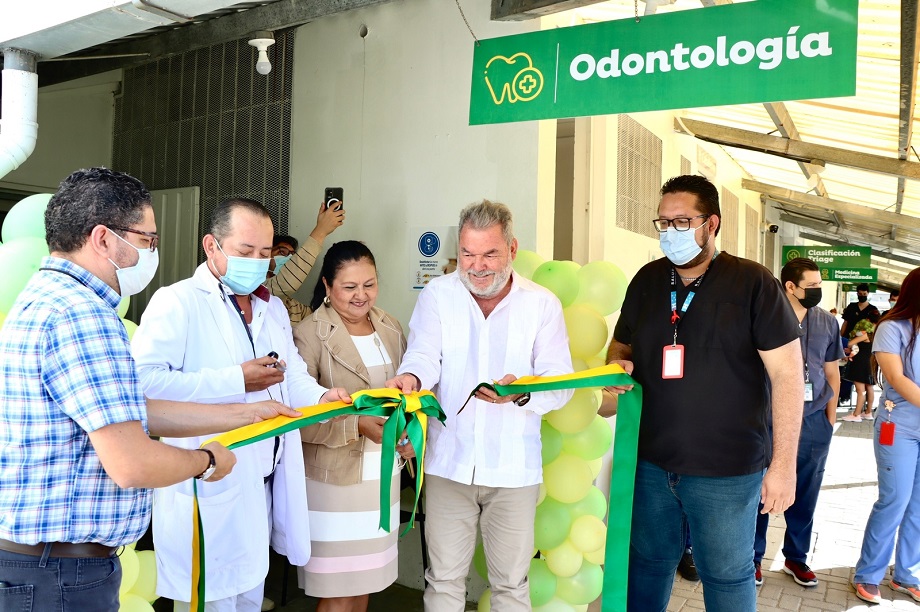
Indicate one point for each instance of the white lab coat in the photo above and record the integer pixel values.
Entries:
(185, 350)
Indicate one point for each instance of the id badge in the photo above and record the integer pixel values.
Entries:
(886, 434)
(809, 392)
(672, 361)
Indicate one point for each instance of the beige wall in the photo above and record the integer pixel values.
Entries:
(386, 117)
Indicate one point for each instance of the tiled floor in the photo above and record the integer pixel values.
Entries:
(847, 495)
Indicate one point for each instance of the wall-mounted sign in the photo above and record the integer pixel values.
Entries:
(730, 54)
(432, 253)
(843, 256)
(850, 275)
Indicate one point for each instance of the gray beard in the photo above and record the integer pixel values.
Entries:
(499, 280)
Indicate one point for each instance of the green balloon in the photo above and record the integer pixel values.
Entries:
(560, 277)
(485, 601)
(602, 286)
(551, 524)
(27, 218)
(123, 306)
(582, 588)
(131, 326)
(555, 605)
(591, 442)
(525, 262)
(551, 441)
(479, 561)
(19, 260)
(594, 503)
(542, 582)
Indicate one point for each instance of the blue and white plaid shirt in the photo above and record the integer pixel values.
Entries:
(65, 370)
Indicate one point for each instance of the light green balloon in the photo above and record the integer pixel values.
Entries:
(594, 503)
(582, 588)
(602, 286)
(526, 262)
(27, 218)
(591, 442)
(123, 306)
(485, 601)
(19, 260)
(3, 318)
(555, 605)
(131, 326)
(551, 524)
(560, 277)
(551, 441)
(542, 582)
(479, 561)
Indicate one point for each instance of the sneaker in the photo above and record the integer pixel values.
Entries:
(869, 417)
(687, 568)
(909, 590)
(868, 592)
(801, 573)
(758, 575)
(852, 419)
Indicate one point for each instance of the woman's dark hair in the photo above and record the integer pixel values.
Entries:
(907, 308)
(337, 256)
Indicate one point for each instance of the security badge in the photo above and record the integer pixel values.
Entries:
(672, 361)
(809, 392)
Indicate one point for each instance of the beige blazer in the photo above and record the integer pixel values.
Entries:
(332, 452)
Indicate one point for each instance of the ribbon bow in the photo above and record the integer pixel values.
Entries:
(402, 412)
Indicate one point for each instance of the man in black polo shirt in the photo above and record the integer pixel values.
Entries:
(821, 350)
(704, 332)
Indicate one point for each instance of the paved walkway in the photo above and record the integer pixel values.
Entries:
(850, 488)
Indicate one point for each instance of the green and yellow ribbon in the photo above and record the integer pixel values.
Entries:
(407, 413)
(623, 475)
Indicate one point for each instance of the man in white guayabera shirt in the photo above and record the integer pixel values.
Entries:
(479, 324)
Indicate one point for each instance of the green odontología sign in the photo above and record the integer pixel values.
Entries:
(731, 54)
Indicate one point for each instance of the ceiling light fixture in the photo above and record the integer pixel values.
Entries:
(262, 40)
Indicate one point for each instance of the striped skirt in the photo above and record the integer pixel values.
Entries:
(351, 554)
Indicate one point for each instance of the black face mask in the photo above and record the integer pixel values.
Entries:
(812, 297)
(862, 298)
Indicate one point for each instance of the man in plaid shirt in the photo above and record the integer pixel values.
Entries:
(76, 460)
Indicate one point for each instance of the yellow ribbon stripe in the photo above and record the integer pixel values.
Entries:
(405, 415)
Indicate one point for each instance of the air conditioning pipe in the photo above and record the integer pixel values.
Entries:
(19, 109)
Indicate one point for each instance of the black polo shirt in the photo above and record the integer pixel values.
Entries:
(714, 420)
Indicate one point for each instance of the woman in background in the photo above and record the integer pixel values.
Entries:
(897, 454)
(348, 342)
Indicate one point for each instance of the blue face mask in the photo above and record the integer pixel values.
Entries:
(244, 274)
(680, 247)
(280, 260)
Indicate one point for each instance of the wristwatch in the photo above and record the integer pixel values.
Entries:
(521, 401)
(212, 466)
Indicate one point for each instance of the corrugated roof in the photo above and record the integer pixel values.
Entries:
(867, 122)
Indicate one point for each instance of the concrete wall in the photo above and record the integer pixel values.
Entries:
(74, 131)
(386, 117)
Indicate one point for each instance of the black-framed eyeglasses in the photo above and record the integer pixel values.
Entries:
(681, 224)
(154, 238)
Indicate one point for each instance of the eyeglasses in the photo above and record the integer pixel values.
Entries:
(154, 238)
(681, 224)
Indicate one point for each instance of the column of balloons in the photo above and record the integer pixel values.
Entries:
(569, 529)
(22, 250)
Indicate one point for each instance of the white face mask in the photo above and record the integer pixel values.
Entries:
(134, 279)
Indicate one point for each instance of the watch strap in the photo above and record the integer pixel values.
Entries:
(212, 465)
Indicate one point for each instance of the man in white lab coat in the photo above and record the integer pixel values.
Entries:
(221, 337)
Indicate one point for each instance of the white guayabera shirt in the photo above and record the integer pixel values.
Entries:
(453, 347)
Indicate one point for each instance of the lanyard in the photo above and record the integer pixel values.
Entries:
(675, 316)
(805, 344)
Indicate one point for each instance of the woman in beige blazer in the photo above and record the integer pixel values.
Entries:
(348, 342)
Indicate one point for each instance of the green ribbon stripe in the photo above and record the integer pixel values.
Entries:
(622, 477)
(397, 420)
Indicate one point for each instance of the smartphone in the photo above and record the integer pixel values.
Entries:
(334, 197)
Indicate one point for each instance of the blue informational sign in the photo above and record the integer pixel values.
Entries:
(429, 244)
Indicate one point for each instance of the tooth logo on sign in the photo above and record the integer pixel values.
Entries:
(524, 86)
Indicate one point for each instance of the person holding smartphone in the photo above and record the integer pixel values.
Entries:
(290, 265)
